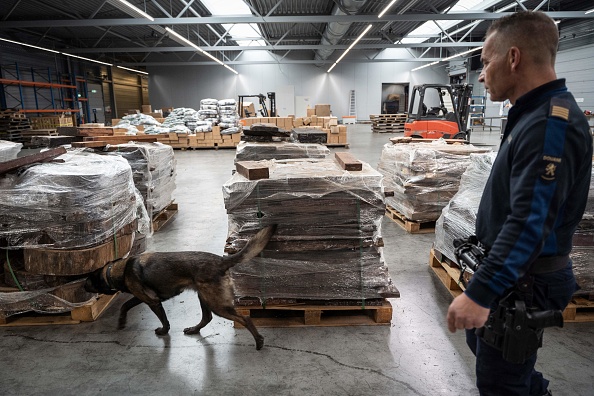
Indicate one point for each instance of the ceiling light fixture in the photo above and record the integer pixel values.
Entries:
(29, 45)
(462, 53)
(191, 44)
(350, 46)
(381, 14)
(136, 9)
(87, 59)
(132, 70)
(427, 65)
(590, 11)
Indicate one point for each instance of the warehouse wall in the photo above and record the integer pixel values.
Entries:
(185, 86)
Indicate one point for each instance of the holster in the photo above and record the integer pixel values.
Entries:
(515, 330)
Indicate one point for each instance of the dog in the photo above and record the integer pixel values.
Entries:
(155, 277)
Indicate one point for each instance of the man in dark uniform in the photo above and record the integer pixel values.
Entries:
(534, 198)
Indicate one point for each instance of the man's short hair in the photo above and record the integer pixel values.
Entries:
(531, 31)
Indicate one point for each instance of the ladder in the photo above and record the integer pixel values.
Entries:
(352, 104)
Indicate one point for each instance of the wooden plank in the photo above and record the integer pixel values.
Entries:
(43, 156)
(90, 313)
(90, 144)
(164, 216)
(76, 262)
(347, 161)
(252, 170)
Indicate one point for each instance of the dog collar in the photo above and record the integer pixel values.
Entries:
(110, 282)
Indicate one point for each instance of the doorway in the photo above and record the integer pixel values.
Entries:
(394, 98)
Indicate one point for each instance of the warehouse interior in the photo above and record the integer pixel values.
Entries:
(187, 125)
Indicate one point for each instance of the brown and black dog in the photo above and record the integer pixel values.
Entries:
(155, 277)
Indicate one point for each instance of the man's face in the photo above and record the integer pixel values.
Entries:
(496, 73)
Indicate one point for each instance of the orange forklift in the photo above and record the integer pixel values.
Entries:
(439, 111)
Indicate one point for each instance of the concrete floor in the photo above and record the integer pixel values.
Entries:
(415, 355)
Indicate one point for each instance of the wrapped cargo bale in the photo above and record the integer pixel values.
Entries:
(458, 218)
(256, 151)
(423, 176)
(326, 243)
(61, 220)
(9, 150)
(71, 204)
(153, 170)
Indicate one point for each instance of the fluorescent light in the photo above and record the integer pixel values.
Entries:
(381, 14)
(29, 45)
(590, 11)
(191, 44)
(136, 9)
(87, 59)
(462, 53)
(351, 46)
(132, 70)
(427, 65)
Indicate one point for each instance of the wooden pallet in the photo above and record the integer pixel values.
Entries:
(87, 313)
(164, 216)
(304, 315)
(411, 226)
(578, 310)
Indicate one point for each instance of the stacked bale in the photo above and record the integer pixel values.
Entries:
(423, 176)
(60, 221)
(9, 150)
(256, 151)
(326, 246)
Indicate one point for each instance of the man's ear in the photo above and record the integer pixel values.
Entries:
(513, 58)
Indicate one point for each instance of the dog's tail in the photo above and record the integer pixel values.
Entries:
(254, 246)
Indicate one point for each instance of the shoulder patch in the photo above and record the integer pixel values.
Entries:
(559, 108)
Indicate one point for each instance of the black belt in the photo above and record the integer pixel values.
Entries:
(545, 265)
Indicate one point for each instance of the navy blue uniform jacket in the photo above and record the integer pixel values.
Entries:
(537, 190)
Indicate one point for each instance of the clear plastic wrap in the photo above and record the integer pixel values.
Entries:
(76, 203)
(458, 218)
(329, 225)
(153, 169)
(256, 151)
(423, 176)
(9, 150)
(53, 300)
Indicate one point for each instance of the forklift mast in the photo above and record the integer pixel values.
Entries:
(262, 102)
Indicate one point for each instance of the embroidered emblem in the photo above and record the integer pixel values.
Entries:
(549, 173)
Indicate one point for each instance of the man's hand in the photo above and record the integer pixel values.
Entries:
(466, 314)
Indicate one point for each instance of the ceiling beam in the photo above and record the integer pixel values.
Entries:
(284, 61)
(276, 47)
(469, 16)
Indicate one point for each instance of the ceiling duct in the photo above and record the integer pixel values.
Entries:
(336, 30)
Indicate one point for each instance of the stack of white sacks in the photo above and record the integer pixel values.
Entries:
(208, 115)
(228, 116)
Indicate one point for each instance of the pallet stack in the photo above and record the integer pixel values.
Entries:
(388, 123)
(50, 122)
(12, 125)
(63, 220)
(327, 247)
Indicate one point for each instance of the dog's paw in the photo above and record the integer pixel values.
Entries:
(192, 330)
(161, 331)
(259, 343)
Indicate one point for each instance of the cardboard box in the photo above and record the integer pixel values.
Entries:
(323, 110)
(147, 109)
(334, 129)
(250, 108)
(311, 112)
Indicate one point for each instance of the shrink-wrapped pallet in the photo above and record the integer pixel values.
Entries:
(326, 246)
(423, 176)
(61, 220)
(153, 170)
(458, 218)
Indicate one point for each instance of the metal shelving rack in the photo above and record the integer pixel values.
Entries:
(45, 92)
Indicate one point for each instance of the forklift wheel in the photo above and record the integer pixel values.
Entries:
(461, 136)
